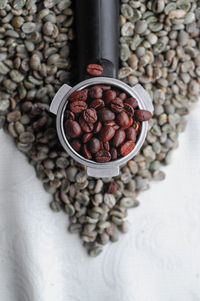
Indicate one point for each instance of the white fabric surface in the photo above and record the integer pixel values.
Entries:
(158, 260)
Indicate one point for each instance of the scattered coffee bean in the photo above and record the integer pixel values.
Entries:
(94, 69)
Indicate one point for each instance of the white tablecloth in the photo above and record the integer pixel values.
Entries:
(158, 260)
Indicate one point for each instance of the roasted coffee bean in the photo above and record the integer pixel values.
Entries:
(86, 152)
(104, 87)
(136, 126)
(109, 96)
(128, 109)
(143, 115)
(90, 115)
(113, 152)
(97, 127)
(72, 128)
(106, 115)
(111, 187)
(94, 69)
(127, 147)
(94, 145)
(97, 104)
(78, 106)
(132, 102)
(129, 124)
(131, 134)
(87, 137)
(117, 105)
(122, 119)
(96, 92)
(79, 95)
(119, 138)
(107, 133)
(86, 127)
(106, 146)
(122, 96)
(69, 115)
(76, 144)
(103, 156)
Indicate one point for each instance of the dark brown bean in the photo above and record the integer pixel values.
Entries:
(69, 115)
(96, 92)
(76, 144)
(127, 147)
(94, 69)
(97, 127)
(90, 115)
(97, 104)
(122, 119)
(72, 128)
(106, 115)
(103, 156)
(117, 105)
(94, 145)
(143, 115)
(109, 96)
(78, 106)
(106, 146)
(86, 127)
(107, 133)
(111, 187)
(136, 125)
(131, 134)
(104, 87)
(113, 152)
(87, 137)
(129, 109)
(132, 102)
(86, 152)
(122, 96)
(119, 138)
(79, 95)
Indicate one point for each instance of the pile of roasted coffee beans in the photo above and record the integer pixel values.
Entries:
(103, 123)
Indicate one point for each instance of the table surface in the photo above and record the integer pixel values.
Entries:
(157, 260)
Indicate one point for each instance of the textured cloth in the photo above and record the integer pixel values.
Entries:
(158, 259)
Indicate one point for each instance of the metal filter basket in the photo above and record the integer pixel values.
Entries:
(58, 107)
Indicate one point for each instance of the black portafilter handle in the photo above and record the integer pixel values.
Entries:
(97, 36)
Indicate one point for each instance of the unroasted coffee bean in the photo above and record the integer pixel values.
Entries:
(87, 137)
(117, 105)
(107, 133)
(132, 102)
(128, 109)
(95, 145)
(127, 147)
(76, 144)
(97, 127)
(131, 134)
(109, 96)
(90, 115)
(119, 138)
(79, 95)
(86, 152)
(122, 119)
(106, 115)
(103, 156)
(78, 106)
(113, 152)
(97, 104)
(86, 127)
(94, 69)
(142, 115)
(72, 128)
(96, 92)
(111, 187)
